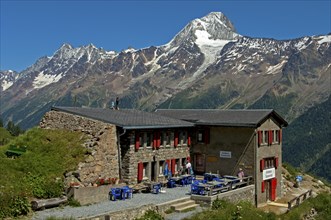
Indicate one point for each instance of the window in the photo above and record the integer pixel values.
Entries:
(200, 136)
(265, 137)
(149, 139)
(161, 168)
(145, 170)
(168, 137)
(163, 138)
(269, 163)
(139, 140)
(272, 136)
(183, 137)
(203, 135)
(276, 136)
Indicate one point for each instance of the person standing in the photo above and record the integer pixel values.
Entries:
(188, 167)
(241, 174)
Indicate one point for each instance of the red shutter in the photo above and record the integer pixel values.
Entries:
(176, 139)
(261, 165)
(158, 144)
(259, 137)
(207, 135)
(140, 171)
(188, 139)
(173, 166)
(154, 140)
(276, 162)
(262, 186)
(280, 136)
(270, 137)
(137, 141)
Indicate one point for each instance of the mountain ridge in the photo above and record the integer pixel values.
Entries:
(206, 65)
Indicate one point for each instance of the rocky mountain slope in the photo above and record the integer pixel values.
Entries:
(206, 65)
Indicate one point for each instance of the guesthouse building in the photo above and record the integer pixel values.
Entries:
(137, 146)
(224, 141)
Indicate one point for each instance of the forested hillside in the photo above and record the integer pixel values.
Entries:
(307, 141)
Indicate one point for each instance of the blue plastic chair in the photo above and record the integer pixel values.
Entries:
(127, 192)
(201, 191)
(182, 182)
(189, 180)
(115, 193)
(171, 183)
(156, 189)
(194, 189)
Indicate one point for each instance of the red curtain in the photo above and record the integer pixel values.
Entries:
(140, 171)
(176, 139)
(137, 140)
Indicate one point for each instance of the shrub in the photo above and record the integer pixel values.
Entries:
(218, 204)
(73, 202)
(291, 169)
(151, 215)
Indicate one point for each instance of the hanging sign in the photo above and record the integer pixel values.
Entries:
(225, 154)
(269, 173)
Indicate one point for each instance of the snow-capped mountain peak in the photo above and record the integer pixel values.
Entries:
(215, 24)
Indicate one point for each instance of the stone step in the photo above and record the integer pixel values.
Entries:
(192, 206)
(184, 205)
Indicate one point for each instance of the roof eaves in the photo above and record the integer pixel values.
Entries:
(156, 126)
(250, 125)
(276, 115)
(87, 116)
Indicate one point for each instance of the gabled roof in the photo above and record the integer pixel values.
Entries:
(229, 117)
(126, 118)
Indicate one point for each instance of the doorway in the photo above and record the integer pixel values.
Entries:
(199, 163)
(154, 171)
(271, 189)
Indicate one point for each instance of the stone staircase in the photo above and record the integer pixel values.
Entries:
(184, 205)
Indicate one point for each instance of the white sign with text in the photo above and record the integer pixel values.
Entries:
(269, 173)
(225, 154)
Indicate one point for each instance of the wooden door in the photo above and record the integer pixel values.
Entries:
(273, 189)
(199, 163)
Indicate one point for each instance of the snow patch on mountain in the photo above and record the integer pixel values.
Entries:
(7, 78)
(6, 84)
(203, 38)
(276, 68)
(324, 39)
(43, 80)
(210, 48)
(302, 44)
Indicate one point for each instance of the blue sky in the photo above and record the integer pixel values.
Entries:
(32, 29)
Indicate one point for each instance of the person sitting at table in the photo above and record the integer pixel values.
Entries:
(241, 174)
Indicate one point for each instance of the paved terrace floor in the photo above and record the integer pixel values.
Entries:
(138, 200)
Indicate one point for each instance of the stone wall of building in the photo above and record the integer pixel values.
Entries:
(131, 158)
(268, 151)
(101, 160)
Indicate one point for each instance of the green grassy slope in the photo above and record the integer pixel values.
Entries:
(38, 172)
